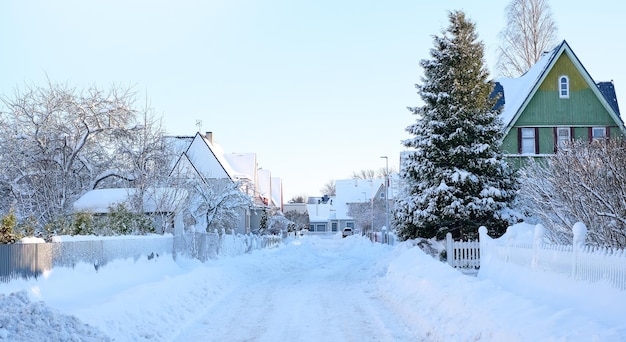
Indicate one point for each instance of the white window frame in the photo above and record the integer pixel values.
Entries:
(563, 140)
(320, 227)
(599, 137)
(563, 87)
(528, 140)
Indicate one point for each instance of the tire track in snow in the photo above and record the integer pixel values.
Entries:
(337, 300)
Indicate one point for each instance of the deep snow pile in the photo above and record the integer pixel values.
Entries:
(160, 298)
(23, 320)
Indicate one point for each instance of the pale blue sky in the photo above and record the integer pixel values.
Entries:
(318, 89)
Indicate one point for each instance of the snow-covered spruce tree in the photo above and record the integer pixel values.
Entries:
(454, 177)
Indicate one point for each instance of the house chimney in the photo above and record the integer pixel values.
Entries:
(209, 136)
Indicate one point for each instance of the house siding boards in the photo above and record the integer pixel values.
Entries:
(585, 106)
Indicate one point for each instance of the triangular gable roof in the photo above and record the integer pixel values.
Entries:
(277, 192)
(264, 186)
(243, 164)
(519, 91)
(208, 158)
(182, 164)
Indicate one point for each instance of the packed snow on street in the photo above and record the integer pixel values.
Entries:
(309, 288)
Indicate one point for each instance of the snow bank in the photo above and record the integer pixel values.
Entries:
(155, 300)
(506, 304)
(23, 320)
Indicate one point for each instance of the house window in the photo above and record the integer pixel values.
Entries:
(320, 227)
(598, 133)
(564, 87)
(350, 225)
(528, 142)
(334, 226)
(563, 137)
(382, 195)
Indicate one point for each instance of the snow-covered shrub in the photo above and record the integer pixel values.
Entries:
(8, 223)
(585, 182)
(122, 221)
(83, 223)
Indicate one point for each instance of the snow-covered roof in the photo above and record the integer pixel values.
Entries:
(354, 191)
(155, 199)
(277, 191)
(208, 158)
(243, 165)
(517, 90)
(320, 212)
(204, 156)
(264, 185)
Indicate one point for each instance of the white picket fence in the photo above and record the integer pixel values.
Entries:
(462, 254)
(577, 261)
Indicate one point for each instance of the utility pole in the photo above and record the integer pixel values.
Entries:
(386, 191)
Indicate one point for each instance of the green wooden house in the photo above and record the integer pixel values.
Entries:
(554, 102)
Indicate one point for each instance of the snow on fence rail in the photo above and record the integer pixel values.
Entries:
(576, 261)
(31, 260)
(462, 254)
(384, 237)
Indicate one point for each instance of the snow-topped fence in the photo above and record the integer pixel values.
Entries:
(576, 261)
(462, 254)
(384, 237)
(31, 260)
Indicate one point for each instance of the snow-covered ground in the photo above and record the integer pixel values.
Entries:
(309, 289)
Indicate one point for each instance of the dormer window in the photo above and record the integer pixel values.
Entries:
(564, 87)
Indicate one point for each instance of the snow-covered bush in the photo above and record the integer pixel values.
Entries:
(585, 182)
(121, 221)
(8, 223)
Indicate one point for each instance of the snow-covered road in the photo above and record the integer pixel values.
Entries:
(332, 296)
(308, 289)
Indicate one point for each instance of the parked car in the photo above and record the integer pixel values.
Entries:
(347, 232)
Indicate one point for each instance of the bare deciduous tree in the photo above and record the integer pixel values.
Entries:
(298, 199)
(329, 188)
(583, 183)
(364, 174)
(56, 141)
(300, 220)
(372, 174)
(529, 32)
(220, 203)
(368, 214)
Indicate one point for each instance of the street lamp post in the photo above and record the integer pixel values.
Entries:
(386, 191)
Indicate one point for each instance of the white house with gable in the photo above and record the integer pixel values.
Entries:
(200, 156)
(330, 214)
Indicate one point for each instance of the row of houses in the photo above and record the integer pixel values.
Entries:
(553, 103)
(367, 198)
(198, 157)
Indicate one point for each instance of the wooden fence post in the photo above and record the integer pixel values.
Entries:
(537, 243)
(580, 235)
(483, 240)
